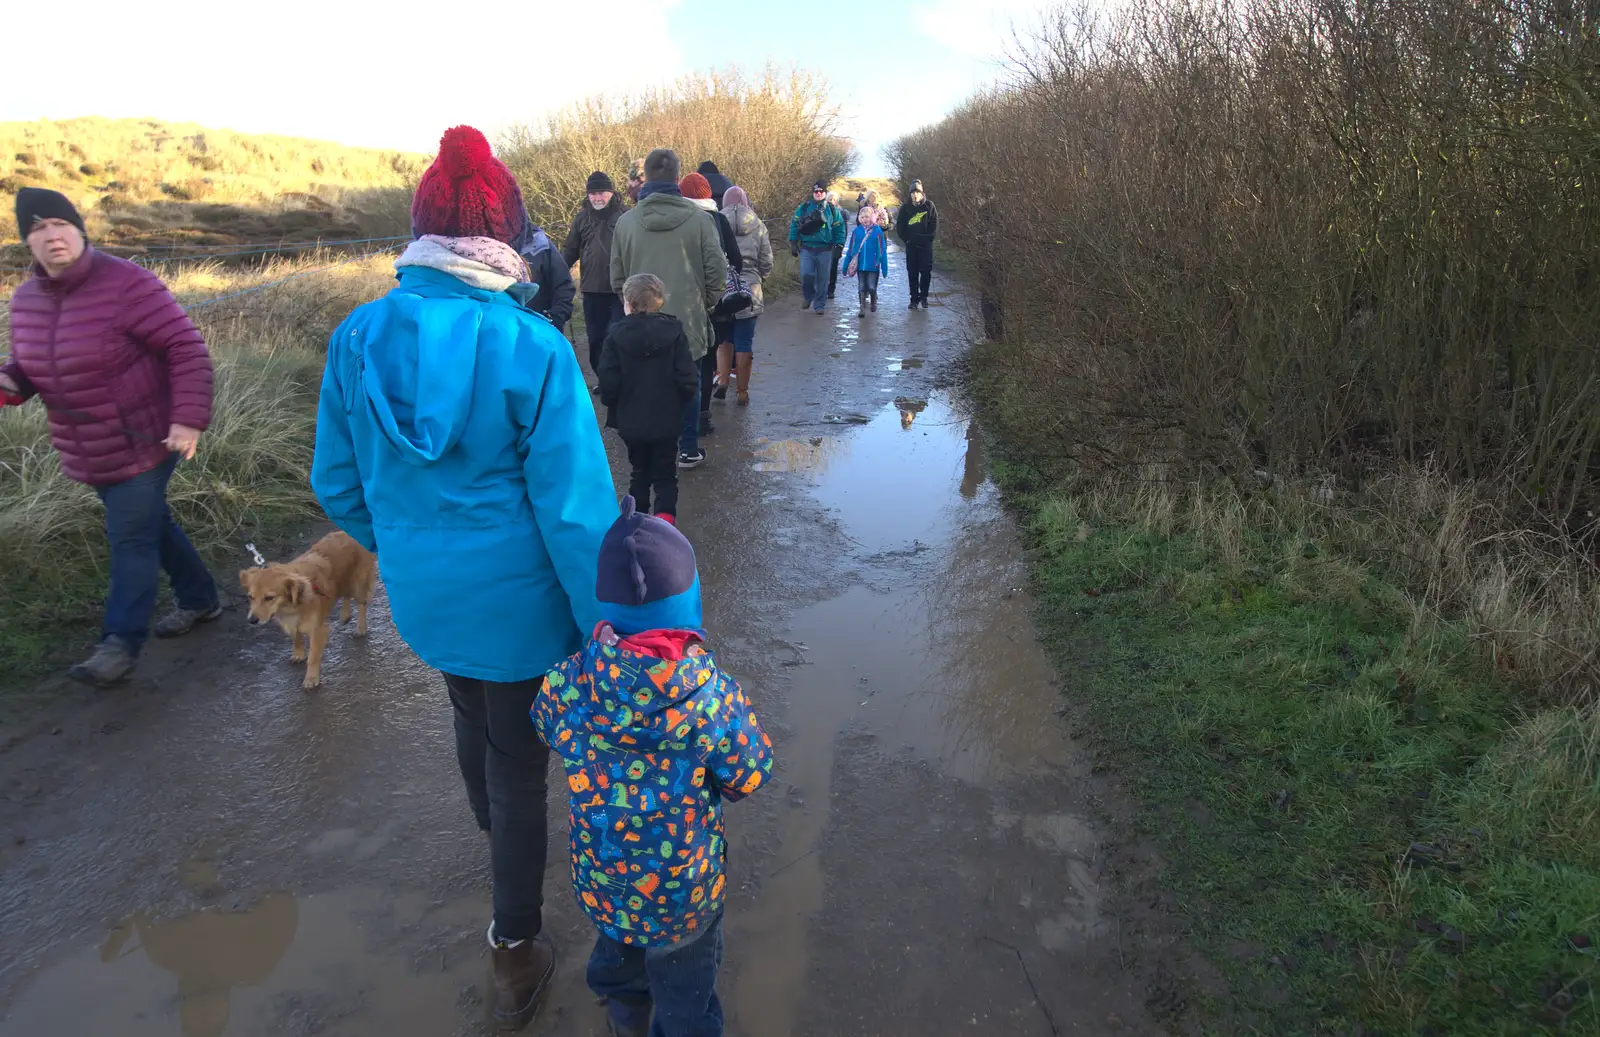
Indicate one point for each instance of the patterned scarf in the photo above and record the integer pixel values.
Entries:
(491, 252)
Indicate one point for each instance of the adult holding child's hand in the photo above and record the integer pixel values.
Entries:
(456, 438)
(126, 380)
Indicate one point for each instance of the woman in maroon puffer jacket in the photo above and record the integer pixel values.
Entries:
(126, 380)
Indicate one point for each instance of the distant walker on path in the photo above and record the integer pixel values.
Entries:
(815, 230)
(917, 225)
(589, 244)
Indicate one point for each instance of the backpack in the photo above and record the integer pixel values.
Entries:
(813, 221)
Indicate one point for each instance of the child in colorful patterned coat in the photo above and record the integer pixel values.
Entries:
(653, 736)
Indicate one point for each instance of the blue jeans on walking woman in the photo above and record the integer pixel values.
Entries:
(678, 984)
(814, 267)
(145, 540)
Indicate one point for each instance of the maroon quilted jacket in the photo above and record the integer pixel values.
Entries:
(116, 362)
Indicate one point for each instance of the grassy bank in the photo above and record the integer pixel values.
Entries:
(1367, 826)
(142, 182)
(249, 476)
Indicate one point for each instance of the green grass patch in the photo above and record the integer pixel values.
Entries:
(1367, 827)
(1348, 792)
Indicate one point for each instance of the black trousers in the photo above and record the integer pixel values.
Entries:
(919, 269)
(503, 764)
(708, 374)
(655, 467)
(833, 271)
(599, 310)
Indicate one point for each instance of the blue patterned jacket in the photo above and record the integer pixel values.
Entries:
(651, 747)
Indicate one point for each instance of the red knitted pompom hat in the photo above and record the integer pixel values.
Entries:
(467, 192)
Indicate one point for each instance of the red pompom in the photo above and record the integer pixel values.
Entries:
(463, 151)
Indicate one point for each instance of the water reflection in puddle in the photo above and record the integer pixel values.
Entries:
(933, 657)
(285, 964)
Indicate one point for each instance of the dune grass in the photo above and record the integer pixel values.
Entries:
(249, 477)
(142, 182)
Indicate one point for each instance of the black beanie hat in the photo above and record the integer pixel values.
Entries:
(37, 203)
(598, 181)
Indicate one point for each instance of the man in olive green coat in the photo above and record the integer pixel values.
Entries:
(671, 237)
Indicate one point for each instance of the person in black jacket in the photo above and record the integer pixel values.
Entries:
(589, 242)
(646, 378)
(917, 224)
(719, 183)
(545, 269)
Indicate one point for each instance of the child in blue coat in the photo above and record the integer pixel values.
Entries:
(867, 258)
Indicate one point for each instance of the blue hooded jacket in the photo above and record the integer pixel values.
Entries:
(456, 438)
(872, 245)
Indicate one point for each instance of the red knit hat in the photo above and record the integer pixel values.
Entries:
(467, 192)
(694, 186)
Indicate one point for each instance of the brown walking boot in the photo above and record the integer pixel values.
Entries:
(744, 361)
(522, 972)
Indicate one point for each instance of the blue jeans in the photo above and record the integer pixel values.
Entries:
(814, 267)
(689, 440)
(679, 982)
(145, 540)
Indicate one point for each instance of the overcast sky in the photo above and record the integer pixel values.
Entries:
(395, 75)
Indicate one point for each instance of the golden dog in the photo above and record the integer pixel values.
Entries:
(300, 595)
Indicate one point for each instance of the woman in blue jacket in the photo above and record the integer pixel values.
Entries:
(455, 437)
(867, 257)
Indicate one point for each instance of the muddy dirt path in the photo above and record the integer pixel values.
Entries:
(210, 851)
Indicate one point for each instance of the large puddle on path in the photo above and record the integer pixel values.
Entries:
(934, 656)
(318, 964)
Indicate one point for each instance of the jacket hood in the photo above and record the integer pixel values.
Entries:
(665, 211)
(420, 384)
(653, 692)
(533, 242)
(743, 218)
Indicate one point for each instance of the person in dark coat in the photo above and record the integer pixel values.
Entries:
(917, 224)
(719, 183)
(647, 377)
(126, 380)
(589, 243)
(546, 269)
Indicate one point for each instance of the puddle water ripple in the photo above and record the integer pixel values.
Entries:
(935, 656)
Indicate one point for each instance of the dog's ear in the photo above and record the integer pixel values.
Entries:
(244, 578)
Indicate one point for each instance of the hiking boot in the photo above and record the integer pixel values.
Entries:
(913, 305)
(180, 621)
(694, 460)
(874, 302)
(522, 972)
(109, 663)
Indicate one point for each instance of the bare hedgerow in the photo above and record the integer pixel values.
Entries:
(1304, 238)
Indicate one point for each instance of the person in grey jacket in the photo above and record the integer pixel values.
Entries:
(589, 243)
(734, 359)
